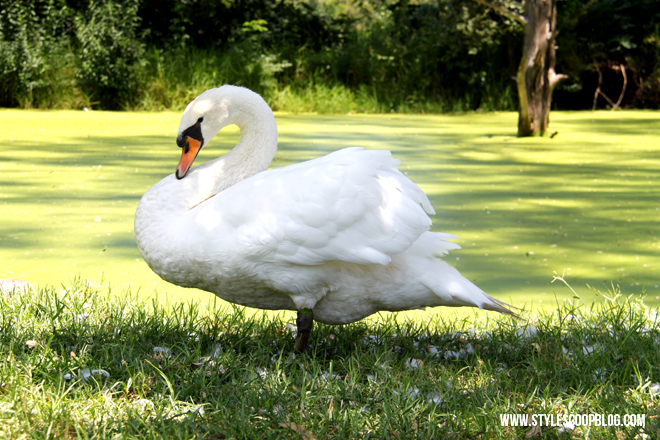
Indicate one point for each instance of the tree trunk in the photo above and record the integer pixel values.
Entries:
(536, 76)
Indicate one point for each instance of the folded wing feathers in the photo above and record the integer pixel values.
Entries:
(352, 205)
(370, 209)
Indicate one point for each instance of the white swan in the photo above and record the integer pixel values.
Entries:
(336, 238)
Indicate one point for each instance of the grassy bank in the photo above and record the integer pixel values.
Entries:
(169, 81)
(584, 202)
(79, 361)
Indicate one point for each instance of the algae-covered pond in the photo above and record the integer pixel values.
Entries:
(585, 203)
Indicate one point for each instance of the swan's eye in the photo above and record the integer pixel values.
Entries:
(200, 120)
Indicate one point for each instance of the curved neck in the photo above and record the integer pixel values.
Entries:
(257, 146)
(253, 153)
(170, 198)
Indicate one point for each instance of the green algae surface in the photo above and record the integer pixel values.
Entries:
(585, 203)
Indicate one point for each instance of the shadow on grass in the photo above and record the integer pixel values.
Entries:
(165, 363)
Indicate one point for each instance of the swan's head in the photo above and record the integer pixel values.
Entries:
(201, 121)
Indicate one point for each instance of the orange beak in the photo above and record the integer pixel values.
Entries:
(188, 155)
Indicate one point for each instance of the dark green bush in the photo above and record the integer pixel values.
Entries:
(375, 55)
(606, 34)
(446, 51)
(36, 63)
(111, 52)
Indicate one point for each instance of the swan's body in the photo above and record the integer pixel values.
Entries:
(345, 235)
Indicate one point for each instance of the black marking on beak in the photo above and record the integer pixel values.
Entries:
(194, 131)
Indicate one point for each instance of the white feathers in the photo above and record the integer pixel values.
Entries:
(346, 234)
(359, 211)
(350, 206)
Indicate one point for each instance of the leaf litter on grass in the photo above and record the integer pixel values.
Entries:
(372, 378)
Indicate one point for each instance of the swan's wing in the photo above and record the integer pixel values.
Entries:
(352, 205)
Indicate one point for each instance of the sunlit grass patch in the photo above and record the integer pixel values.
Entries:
(183, 371)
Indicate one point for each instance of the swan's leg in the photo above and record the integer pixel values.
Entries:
(305, 322)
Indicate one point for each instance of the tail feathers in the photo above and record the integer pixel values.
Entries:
(454, 290)
(496, 305)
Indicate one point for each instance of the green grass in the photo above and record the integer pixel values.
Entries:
(585, 203)
(185, 371)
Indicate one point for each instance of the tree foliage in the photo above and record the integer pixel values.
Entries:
(117, 53)
(110, 50)
(33, 45)
(607, 34)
